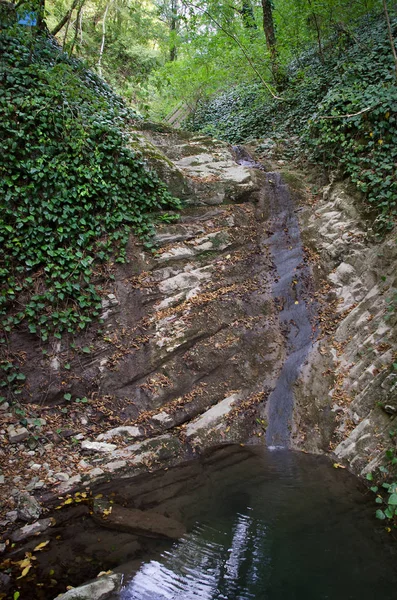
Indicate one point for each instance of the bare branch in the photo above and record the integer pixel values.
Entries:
(360, 112)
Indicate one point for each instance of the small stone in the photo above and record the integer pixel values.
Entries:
(30, 530)
(389, 409)
(28, 508)
(2, 548)
(12, 516)
(35, 467)
(1, 479)
(62, 476)
(67, 433)
(4, 406)
(39, 485)
(17, 434)
(98, 446)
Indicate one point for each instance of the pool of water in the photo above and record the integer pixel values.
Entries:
(272, 525)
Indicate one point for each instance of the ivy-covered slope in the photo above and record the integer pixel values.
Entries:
(71, 189)
(358, 75)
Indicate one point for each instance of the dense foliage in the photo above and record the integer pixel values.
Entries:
(71, 189)
(356, 77)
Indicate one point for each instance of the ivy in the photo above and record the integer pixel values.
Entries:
(71, 190)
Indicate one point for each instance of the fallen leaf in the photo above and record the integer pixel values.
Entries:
(338, 466)
(41, 546)
(25, 572)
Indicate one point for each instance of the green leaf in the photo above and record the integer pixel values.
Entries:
(380, 514)
(369, 477)
(67, 396)
(392, 500)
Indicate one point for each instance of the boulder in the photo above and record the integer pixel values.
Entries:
(94, 590)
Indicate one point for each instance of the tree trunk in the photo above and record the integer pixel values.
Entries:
(268, 28)
(40, 14)
(173, 30)
(318, 31)
(77, 26)
(99, 65)
(390, 33)
(65, 19)
(247, 15)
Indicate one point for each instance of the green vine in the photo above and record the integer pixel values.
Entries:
(71, 190)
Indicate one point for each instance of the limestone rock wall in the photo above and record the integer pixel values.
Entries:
(346, 399)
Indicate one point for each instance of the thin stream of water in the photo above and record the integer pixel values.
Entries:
(290, 292)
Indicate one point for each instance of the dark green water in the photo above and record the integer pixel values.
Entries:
(275, 526)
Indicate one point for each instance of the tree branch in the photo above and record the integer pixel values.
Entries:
(360, 112)
(65, 19)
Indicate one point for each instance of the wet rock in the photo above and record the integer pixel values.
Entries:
(17, 434)
(141, 522)
(28, 508)
(94, 590)
(97, 447)
(31, 530)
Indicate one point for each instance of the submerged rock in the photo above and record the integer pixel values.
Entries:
(140, 522)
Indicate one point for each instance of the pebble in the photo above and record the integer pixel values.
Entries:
(62, 476)
(4, 406)
(17, 434)
(35, 467)
(12, 516)
(1, 479)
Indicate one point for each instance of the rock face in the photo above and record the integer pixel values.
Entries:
(196, 334)
(348, 389)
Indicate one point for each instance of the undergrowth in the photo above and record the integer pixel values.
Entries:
(358, 74)
(71, 190)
